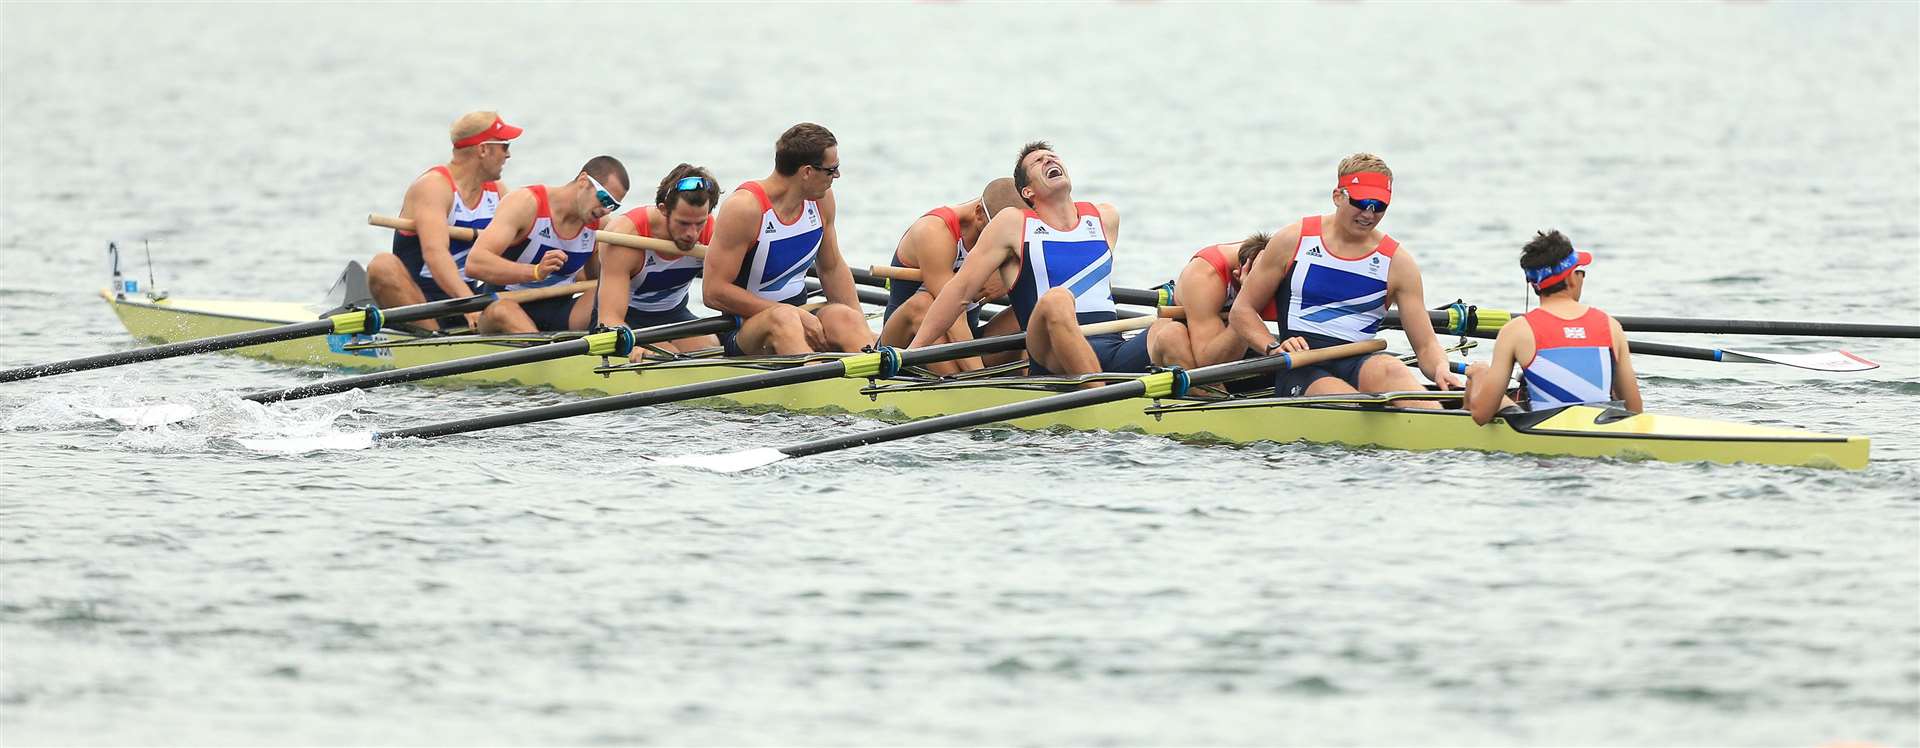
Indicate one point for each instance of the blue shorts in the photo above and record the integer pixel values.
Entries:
(433, 292)
(638, 320)
(549, 315)
(1294, 382)
(1117, 354)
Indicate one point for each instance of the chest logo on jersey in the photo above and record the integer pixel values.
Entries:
(546, 233)
(770, 228)
(1574, 333)
(1314, 252)
(1037, 230)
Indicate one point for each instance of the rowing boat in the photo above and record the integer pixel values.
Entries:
(1357, 420)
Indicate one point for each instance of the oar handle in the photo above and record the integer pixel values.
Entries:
(895, 273)
(1118, 325)
(617, 239)
(536, 294)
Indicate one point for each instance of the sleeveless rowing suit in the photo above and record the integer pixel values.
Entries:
(1079, 259)
(406, 244)
(899, 291)
(1572, 360)
(776, 268)
(543, 236)
(658, 291)
(1217, 258)
(1330, 301)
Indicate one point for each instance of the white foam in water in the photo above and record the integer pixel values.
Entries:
(330, 441)
(730, 462)
(148, 416)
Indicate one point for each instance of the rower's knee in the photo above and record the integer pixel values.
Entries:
(1382, 372)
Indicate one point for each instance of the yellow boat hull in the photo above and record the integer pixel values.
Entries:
(1577, 431)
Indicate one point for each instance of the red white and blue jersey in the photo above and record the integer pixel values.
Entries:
(406, 244)
(1077, 258)
(776, 268)
(1333, 300)
(660, 285)
(1572, 360)
(543, 237)
(1217, 257)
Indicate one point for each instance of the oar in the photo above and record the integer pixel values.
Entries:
(1130, 296)
(633, 241)
(1836, 360)
(1823, 361)
(879, 364)
(1163, 384)
(368, 320)
(1484, 319)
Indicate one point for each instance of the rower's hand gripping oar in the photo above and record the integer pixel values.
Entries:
(1171, 383)
(883, 363)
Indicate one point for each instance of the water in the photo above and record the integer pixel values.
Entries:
(544, 585)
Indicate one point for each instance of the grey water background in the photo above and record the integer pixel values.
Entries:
(545, 586)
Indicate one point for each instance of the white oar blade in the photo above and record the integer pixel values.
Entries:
(730, 462)
(147, 416)
(305, 444)
(1827, 361)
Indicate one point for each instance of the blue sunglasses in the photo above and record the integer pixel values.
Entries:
(1363, 206)
(690, 184)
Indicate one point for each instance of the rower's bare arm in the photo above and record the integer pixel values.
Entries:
(1110, 222)
(928, 243)
(994, 249)
(736, 228)
(1487, 383)
(1259, 285)
(617, 267)
(836, 279)
(1405, 291)
(1626, 384)
(429, 200)
(487, 260)
(1198, 289)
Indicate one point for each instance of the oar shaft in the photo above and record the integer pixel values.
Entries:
(503, 359)
(170, 350)
(1078, 399)
(462, 233)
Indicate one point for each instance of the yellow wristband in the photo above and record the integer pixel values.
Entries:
(536, 274)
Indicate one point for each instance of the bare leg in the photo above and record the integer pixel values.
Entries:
(844, 328)
(1054, 339)
(387, 279)
(904, 323)
(506, 317)
(1004, 322)
(776, 330)
(1168, 344)
(1384, 373)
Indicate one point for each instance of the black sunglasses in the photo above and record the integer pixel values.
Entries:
(832, 171)
(1367, 205)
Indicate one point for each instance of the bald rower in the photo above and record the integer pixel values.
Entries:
(936, 244)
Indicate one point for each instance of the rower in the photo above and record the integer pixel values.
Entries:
(641, 288)
(1568, 353)
(425, 264)
(1334, 276)
(1057, 257)
(542, 236)
(1209, 281)
(768, 234)
(937, 244)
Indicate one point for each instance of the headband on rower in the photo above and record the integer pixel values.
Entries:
(498, 131)
(1557, 272)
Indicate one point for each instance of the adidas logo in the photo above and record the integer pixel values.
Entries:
(546, 233)
(1040, 230)
(769, 227)
(1574, 333)
(1313, 252)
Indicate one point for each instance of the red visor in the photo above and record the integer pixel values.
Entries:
(497, 131)
(1368, 185)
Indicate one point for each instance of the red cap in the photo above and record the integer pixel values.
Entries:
(499, 130)
(1368, 185)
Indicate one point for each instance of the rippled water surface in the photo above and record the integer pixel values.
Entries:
(546, 585)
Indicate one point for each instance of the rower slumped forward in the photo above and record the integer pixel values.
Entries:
(1056, 258)
(1332, 277)
(642, 288)
(937, 244)
(426, 264)
(1569, 353)
(543, 236)
(1209, 281)
(768, 234)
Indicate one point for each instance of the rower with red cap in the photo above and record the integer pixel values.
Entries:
(1332, 278)
(642, 288)
(1568, 353)
(425, 264)
(937, 243)
(768, 234)
(543, 236)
